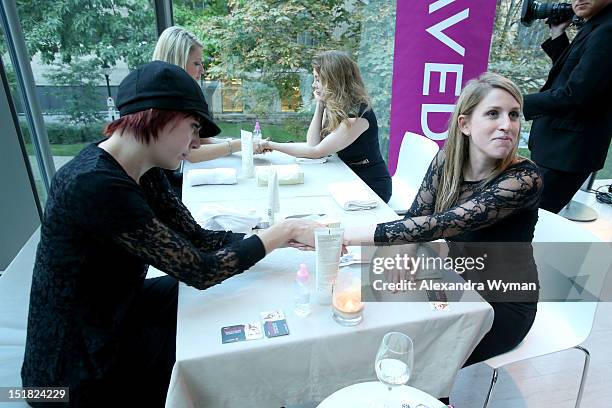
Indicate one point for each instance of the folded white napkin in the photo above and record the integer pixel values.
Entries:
(287, 174)
(211, 176)
(217, 218)
(352, 195)
(304, 160)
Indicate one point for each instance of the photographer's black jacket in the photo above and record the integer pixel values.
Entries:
(572, 113)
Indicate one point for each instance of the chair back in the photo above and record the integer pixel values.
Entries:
(562, 325)
(416, 153)
(572, 261)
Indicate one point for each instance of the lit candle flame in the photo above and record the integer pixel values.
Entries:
(349, 302)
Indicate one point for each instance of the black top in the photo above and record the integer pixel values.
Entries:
(495, 220)
(503, 210)
(100, 232)
(364, 158)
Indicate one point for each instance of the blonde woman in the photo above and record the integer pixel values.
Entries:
(343, 122)
(181, 47)
(477, 189)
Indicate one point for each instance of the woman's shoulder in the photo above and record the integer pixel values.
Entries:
(525, 167)
(93, 173)
(364, 109)
(440, 157)
(522, 175)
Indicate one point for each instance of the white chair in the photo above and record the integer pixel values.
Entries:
(571, 322)
(416, 153)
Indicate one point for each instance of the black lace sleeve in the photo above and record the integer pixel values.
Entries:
(173, 213)
(168, 251)
(519, 187)
(425, 200)
(115, 209)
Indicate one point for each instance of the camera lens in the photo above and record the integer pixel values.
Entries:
(556, 13)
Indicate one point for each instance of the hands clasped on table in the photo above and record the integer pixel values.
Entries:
(262, 146)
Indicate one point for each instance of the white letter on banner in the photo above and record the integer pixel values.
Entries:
(436, 31)
(438, 5)
(442, 69)
(427, 108)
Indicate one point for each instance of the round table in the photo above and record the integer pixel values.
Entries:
(362, 395)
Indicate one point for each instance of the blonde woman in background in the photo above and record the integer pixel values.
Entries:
(181, 47)
(343, 122)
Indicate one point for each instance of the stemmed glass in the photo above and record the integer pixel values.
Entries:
(394, 363)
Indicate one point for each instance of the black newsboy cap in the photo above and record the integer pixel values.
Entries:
(160, 85)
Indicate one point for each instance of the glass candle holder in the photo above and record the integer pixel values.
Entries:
(347, 306)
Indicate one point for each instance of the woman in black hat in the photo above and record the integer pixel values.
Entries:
(95, 324)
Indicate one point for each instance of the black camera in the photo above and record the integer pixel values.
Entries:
(556, 13)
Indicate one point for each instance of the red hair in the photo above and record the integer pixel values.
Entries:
(145, 125)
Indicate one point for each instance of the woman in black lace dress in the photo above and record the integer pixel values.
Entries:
(477, 190)
(343, 123)
(95, 324)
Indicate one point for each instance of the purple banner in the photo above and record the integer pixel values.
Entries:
(439, 46)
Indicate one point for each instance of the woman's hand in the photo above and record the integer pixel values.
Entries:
(303, 232)
(402, 269)
(296, 233)
(262, 146)
(320, 102)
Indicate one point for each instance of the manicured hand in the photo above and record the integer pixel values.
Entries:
(263, 146)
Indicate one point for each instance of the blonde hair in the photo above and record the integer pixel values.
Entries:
(457, 144)
(343, 88)
(174, 45)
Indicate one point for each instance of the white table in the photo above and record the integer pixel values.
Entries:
(361, 395)
(319, 356)
(316, 179)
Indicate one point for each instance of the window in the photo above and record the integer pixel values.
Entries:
(70, 64)
(232, 96)
(21, 181)
(291, 101)
(262, 51)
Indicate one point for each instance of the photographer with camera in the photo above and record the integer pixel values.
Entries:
(572, 113)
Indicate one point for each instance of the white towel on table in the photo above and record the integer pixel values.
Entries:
(304, 160)
(286, 173)
(352, 195)
(217, 218)
(211, 176)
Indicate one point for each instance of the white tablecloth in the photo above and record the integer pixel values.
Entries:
(316, 179)
(319, 356)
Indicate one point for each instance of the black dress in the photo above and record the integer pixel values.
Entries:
(100, 232)
(364, 158)
(505, 210)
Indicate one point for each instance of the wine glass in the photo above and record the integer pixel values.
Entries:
(394, 362)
